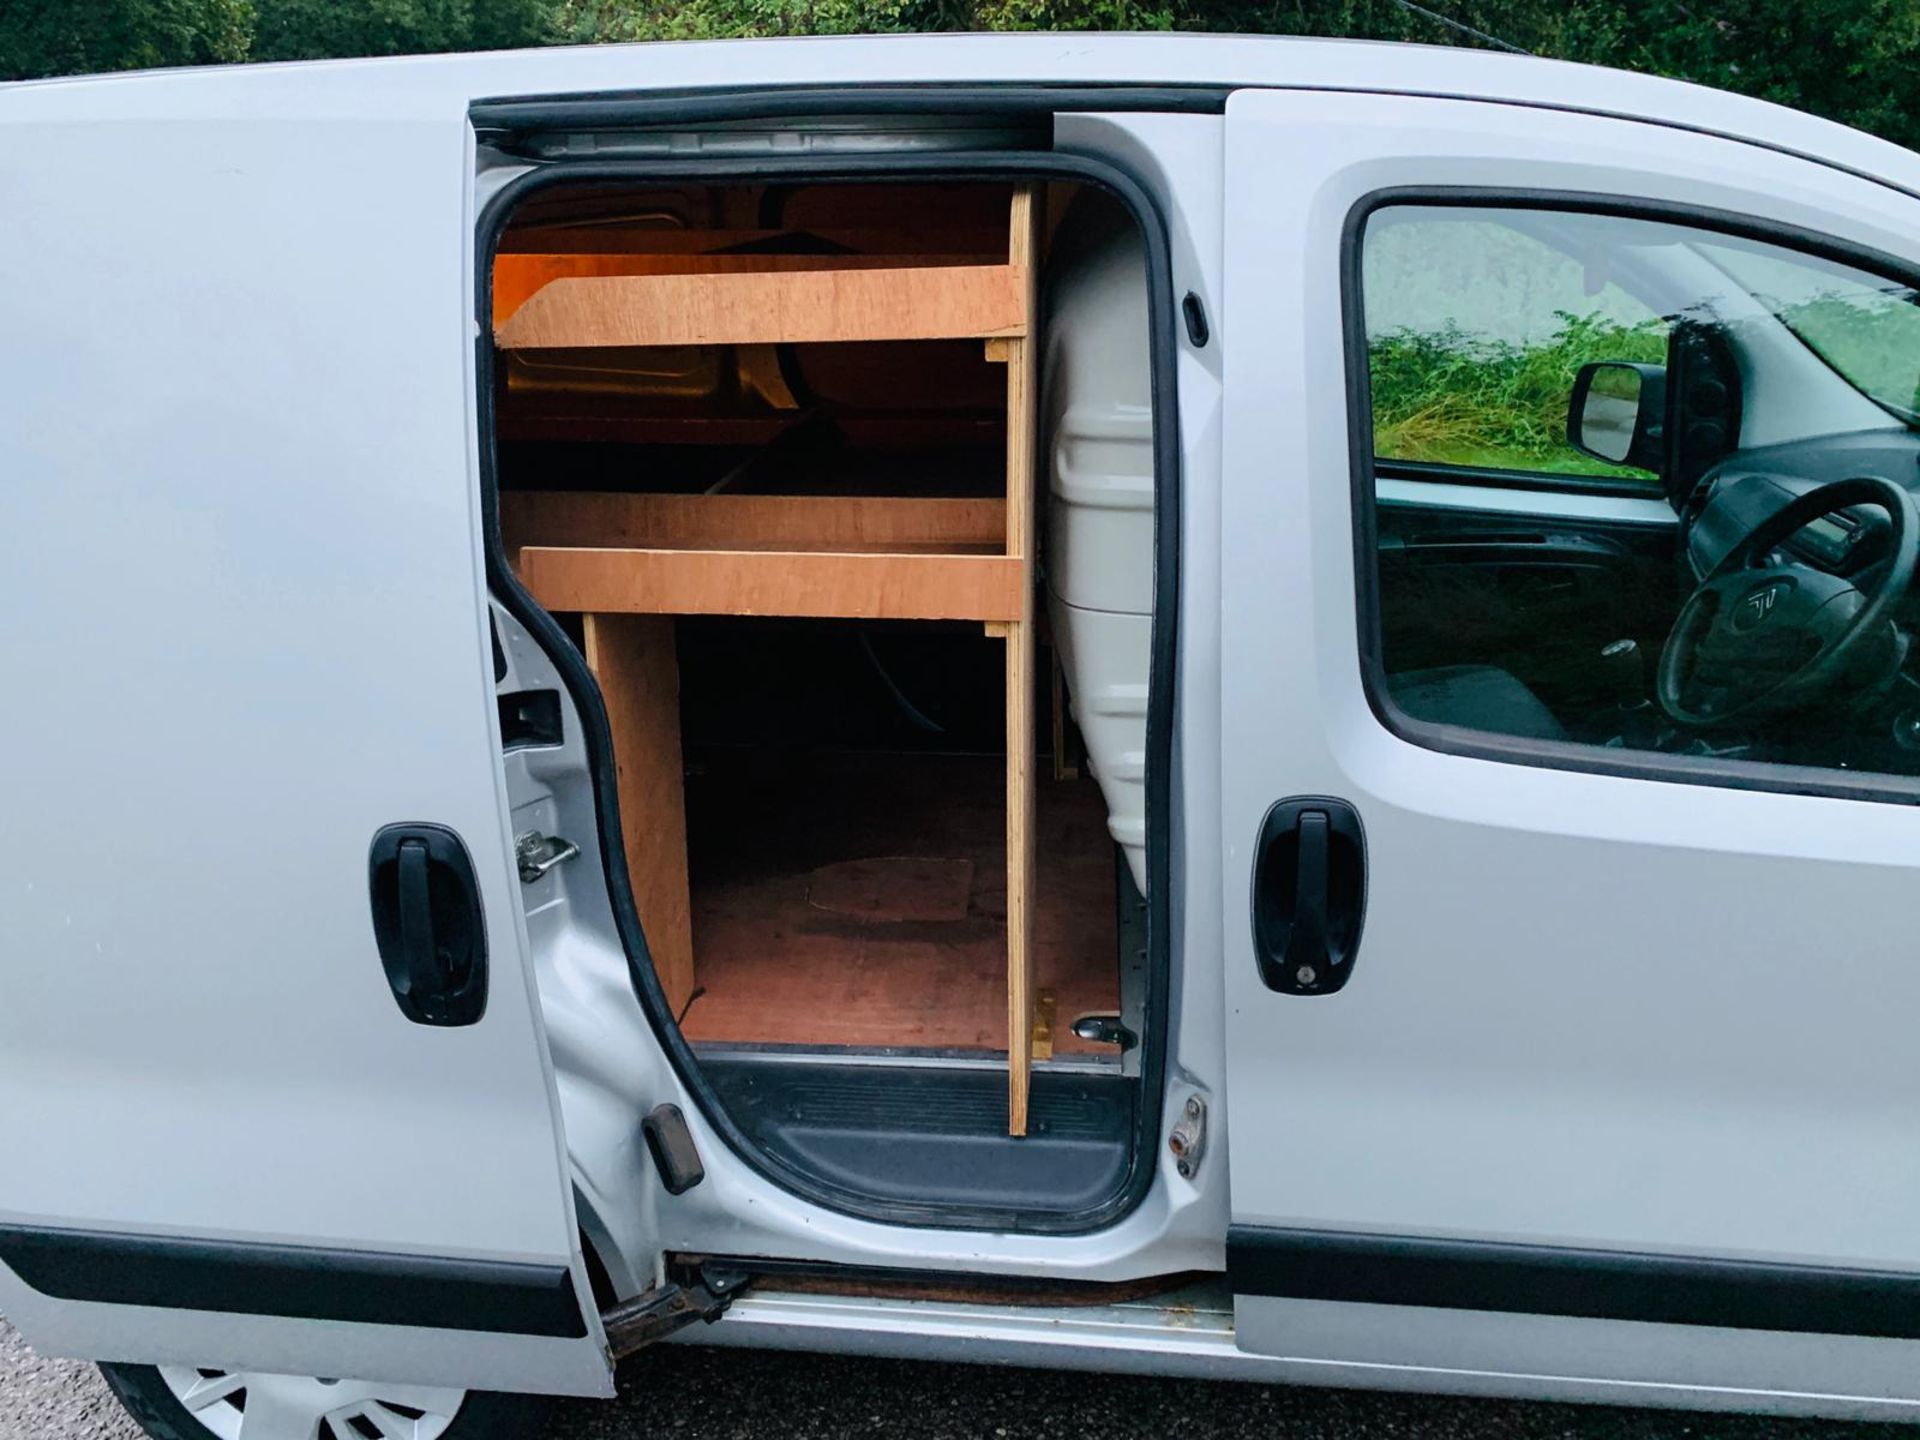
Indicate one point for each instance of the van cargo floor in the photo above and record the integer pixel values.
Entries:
(859, 900)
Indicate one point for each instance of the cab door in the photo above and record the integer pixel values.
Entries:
(1603, 1085)
(274, 1092)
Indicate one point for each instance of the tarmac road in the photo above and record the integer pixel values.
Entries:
(687, 1393)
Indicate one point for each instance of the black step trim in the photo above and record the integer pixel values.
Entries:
(495, 1296)
(1589, 1284)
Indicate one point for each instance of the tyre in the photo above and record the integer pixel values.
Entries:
(179, 1402)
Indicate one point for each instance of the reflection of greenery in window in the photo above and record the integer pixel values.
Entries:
(1873, 341)
(1866, 328)
(1445, 397)
(1475, 334)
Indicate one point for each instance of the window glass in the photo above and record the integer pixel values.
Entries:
(1475, 329)
(1866, 328)
(1774, 392)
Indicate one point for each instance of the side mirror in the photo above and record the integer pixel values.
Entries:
(1618, 413)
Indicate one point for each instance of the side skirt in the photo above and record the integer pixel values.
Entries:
(1193, 1333)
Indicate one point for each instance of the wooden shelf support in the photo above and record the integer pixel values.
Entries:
(1022, 445)
(635, 660)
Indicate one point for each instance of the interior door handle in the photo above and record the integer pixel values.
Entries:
(428, 924)
(1309, 895)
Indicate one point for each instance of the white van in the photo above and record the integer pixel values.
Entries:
(1227, 707)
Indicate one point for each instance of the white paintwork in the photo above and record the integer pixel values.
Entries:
(237, 426)
(1588, 1010)
(249, 478)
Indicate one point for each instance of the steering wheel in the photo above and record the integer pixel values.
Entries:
(1757, 640)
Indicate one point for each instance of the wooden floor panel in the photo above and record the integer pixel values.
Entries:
(860, 900)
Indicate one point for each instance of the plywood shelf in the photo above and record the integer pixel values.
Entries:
(854, 586)
(986, 242)
(517, 278)
(948, 302)
(857, 523)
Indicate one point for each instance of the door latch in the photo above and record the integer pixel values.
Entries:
(1187, 1140)
(537, 853)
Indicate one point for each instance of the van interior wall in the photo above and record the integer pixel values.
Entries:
(764, 442)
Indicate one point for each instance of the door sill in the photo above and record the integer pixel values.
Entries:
(890, 1134)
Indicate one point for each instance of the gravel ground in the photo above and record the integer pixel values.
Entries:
(697, 1394)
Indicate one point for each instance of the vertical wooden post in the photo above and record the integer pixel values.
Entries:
(1022, 365)
(637, 664)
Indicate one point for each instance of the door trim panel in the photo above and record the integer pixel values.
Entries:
(300, 1282)
(1574, 1282)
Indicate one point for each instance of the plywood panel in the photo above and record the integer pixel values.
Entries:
(750, 522)
(634, 659)
(944, 303)
(778, 964)
(775, 582)
(516, 278)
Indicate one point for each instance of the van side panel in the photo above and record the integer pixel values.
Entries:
(246, 630)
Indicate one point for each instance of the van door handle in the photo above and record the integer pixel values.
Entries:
(414, 886)
(1309, 895)
(428, 924)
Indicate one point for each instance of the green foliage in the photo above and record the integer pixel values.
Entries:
(1449, 398)
(593, 20)
(313, 29)
(1874, 343)
(58, 37)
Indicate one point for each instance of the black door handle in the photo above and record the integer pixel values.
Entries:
(1309, 895)
(427, 923)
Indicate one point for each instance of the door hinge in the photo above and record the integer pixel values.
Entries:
(635, 1324)
(537, 853)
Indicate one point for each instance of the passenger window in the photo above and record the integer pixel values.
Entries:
(1770, 396)
(1475, 329)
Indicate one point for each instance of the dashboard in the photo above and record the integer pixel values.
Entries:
(1745, 488)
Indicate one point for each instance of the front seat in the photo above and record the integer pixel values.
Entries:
(1475, 697)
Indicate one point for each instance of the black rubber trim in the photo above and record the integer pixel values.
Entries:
(1586, 1284)
(1163, 323)
(706, 106)
(1560, 754)
(297, 1282)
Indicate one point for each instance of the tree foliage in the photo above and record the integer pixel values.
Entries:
(64, 37)
(310, 29)
(1857, 61)
(53, 37)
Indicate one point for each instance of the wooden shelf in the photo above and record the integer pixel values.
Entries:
(860, 523)
(516, 278)
(604, 239)
(853, 586)
(947, 302)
